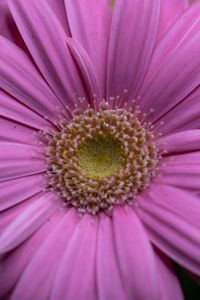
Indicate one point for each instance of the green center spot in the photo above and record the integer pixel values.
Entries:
(100, 157)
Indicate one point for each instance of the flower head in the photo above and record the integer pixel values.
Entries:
(99, 172)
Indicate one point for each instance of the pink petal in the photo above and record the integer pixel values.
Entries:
(135, 256)
(181, 31)
(182, 171)
(107, 268)
(28, 222)
(132, 39)
(77, 266)
(48, 255)
(8, 27)
(18, 160)
(169, 284)
(14, 263)
(165, 86)
(20, 78)
(58, 8)
(14, 110)
(46, 41)
(9, 215)
(18, 190)
(89, 22)
(184, 116)
(180, 142)
(86, 68)
(172, 219)
(14, 132)
(170, 10)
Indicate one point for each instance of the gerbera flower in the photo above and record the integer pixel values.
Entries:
(99, 172)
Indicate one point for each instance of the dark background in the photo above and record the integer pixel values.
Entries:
(190, 289)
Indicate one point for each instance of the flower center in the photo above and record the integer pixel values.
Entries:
(101, 158)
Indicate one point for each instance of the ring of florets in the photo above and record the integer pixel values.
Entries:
(101, 158)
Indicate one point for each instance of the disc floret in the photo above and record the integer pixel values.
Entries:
(101, 158)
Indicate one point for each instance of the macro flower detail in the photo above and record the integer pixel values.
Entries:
(101, 158)
(99, 148)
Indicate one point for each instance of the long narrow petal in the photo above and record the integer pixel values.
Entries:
(46, 41)
(169, 284)
(18, 160)
(12, 109)
(108, 273)
(11, 131)
(135, 256)
(77, 266)
(14, 263)
(172, 219)
(18, 190)
(183, 116)
(8, 27)
(166, 86)
(28, 222)
(182, 30)
(20, 78)
(180, 142)
(132, 39)
(48, 255)
(86, 68)
(184, 172)
(169, 11)
(89, 22)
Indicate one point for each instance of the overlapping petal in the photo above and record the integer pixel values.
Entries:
(17, 190)
(28, 221)
(132, 39)
(48, 259)
(134, 255)
(22, 256)
(19, 160)
(89, 22)
(46, 41)
(169, 11)
(20, 78)
(172, 220)
(77, 266)
(169, 284)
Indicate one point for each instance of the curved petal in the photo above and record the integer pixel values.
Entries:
(108, 273)
(46, 41)
(48, 255)
(28, 222)
(170, 10)
(19, 160)
(180, 142)
(89, 22)
(172, 219)
(8, 27)
(18, 190)
(165, 86)
(132, 39)
(169, 284)
(86, 69)
(77, 266)
(20, 78)
(10, 108)
(184, 116)
(135, 256)
(58, 7)
(13, 264)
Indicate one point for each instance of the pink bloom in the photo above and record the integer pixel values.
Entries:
(62, 56)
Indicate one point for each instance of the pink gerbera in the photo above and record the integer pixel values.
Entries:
(100, 148)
